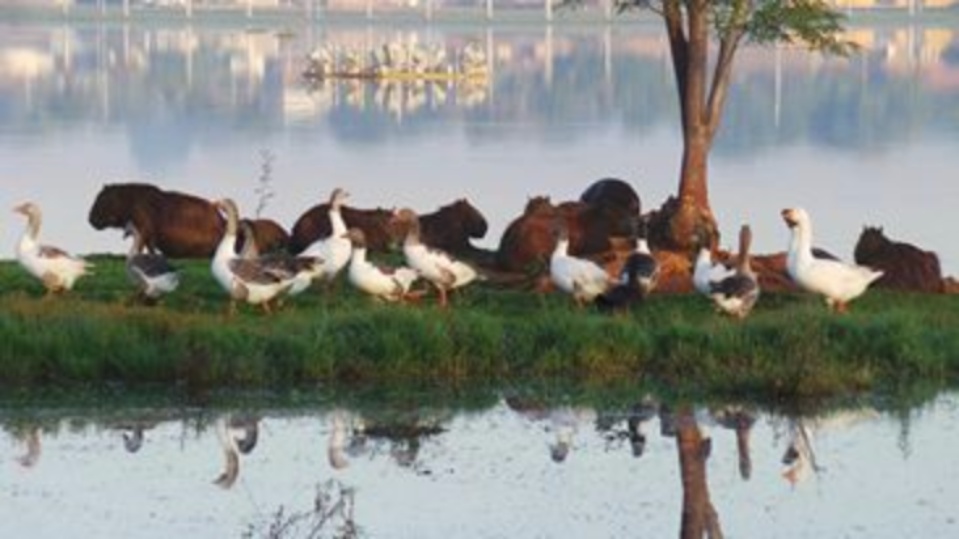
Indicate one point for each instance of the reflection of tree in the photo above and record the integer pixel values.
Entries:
(699, 518)
(741, 421)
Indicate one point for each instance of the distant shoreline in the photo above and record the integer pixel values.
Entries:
(225, 15)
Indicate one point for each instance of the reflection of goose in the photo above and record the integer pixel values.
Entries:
(565, 422)
(404, 452)
(133, 440)
(335, 451)
(32, 456)
(741, 421)
(249, 427)
(640, 414)
(56, 269)
(799, 458)
(231, 454)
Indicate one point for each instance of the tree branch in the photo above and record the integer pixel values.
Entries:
(731, 35)
(673, 17)
(697, 62)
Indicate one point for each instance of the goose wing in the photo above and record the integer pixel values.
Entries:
(253, 271)
(638, 265)
(734, 286)
(837, 277)
(49, 251)
(152, 265)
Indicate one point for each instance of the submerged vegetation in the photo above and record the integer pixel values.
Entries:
(791, 346)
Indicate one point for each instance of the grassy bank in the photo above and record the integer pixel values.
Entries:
(791, 346)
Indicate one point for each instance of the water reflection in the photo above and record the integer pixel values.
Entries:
(545, 468)
(237, 436)
(31, 440)
(208, 82)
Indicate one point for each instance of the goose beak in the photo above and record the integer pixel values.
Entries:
(790, 217)
(22, 208)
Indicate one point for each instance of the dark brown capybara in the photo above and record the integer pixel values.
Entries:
(904, 266)
(177, 224)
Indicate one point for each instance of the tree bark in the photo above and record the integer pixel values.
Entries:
(687, 222)
(699, 518)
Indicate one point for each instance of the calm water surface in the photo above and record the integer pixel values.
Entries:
(510, 469)
(868, 140)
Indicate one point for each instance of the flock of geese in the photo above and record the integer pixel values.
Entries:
(264, 279)
(733, 291)
(396, 58)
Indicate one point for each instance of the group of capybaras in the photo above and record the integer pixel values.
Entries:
(248, 276)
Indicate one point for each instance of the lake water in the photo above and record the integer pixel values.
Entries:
(507, 468)
(871, 139)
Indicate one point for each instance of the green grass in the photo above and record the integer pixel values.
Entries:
(790, 347)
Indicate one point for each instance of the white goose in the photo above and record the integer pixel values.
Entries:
(581, 278)
(737, 294)
(439, 268)
(390, 284)
(151, 273)
(839, 282)
(705, 272)
(334, 249)
(244, 279)
(57, 269)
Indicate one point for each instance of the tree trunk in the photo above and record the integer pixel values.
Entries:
(699, 518)
(686, 222)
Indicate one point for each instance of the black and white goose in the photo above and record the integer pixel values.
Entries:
(249, 280)
(641, 267)
(151, 273)
(303, 269)
(737, 294)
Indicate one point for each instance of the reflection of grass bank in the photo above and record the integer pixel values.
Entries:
(791, 346)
